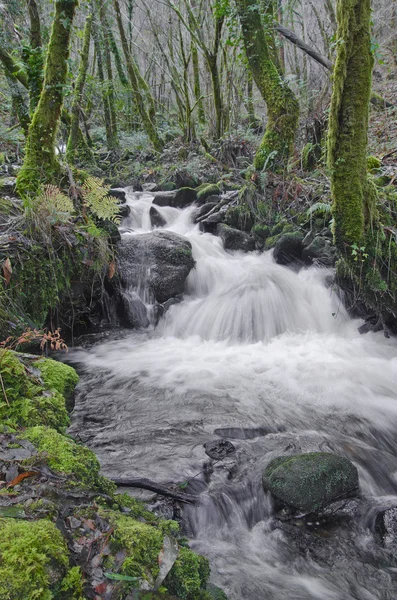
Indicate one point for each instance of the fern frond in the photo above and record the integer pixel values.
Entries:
(96, 197)
(319, 207)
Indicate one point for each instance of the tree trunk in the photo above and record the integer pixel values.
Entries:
(77, 146)
(348, 124)
(33, 56)
(109, 70)
(40, 164)
(132, 69)
(111, 141)
(282, 106)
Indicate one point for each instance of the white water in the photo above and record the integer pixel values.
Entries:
(253, 346)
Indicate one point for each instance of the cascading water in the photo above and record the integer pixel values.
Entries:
(267, 358)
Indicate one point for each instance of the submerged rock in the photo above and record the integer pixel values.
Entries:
(289, 248)
(233, 239)
(308, 482)
(158, 262)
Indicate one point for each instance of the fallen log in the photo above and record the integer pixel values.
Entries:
(158, 488)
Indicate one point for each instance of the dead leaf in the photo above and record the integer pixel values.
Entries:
(111, 269)
(21, 477)
(7, 270)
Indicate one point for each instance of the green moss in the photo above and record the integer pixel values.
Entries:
(348, 124)
(373, 163)
(28, 402)
(188, 577)
(261, 232)
(206, 190)
(67, 457)
(240, 217)
(272, 241)
(283, 226)
(72, 585)
(33, 559)
(142, 542)
(58, 376)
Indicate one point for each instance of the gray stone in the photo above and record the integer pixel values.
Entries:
(159, 262)
(233, 239)
(177, 198)
(289, 248)
(308, 482)
(320, 251)
(155, 217)
(118, 193)
(201, 211)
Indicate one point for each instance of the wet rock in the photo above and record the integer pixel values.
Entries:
(386, 526)
(308, 482)
(219, 449)
(150, 187)
(155, 217)
(206, 190)
(124, 211)
(118, 193)
(320, 251)
(210, 224)
(289, 248)
(215, 592)
(177, 198)
(202, 211)
(233, 239)
(132, 311)
(159, 261)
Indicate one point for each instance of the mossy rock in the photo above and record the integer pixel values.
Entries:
(240, 217)
(282, 226)
(272, 241)
(260, 233)
(189, 576)
(33, 560)
(68, 458)
(29, 401)
(289, 247)
(308, 482)
(207, 189)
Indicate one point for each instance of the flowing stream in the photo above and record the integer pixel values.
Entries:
(267, 358)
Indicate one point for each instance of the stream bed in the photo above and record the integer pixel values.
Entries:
(267, 358)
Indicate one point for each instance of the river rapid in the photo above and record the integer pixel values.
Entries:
(267, 358)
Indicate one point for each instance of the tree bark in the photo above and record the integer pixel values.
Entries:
(282, 106)
(40, 164)
(348, 123)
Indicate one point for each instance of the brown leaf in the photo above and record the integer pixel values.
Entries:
(7, 270)
(111, 269)
(21, 477)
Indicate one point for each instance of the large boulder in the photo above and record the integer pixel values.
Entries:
(320, 251)
(233, 239)
(175, 198)
(289, 248)
(210, 224)
(308, 482)
(158, 262)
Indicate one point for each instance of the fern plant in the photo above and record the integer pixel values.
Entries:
(96, 197)
(319, 207)
(53, 204)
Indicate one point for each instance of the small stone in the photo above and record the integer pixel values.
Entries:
(219, 449)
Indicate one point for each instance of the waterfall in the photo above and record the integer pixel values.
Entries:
(268, 358)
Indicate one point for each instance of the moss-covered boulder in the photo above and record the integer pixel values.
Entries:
(66, 457)
(206, 190)
(308, 482)
(34, 560)
(35, 391)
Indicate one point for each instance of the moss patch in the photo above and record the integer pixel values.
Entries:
(58, 376)
(69, 458)
(188, 577)
(33, 559)
(27, 402)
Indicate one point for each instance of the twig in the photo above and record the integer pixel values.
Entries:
(159, 488)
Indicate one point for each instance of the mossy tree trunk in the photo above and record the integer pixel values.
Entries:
(109, 70)
(139, 87)
(77, 146)
(41, 164)
(282, 106)
(348, 124)
(33, 55)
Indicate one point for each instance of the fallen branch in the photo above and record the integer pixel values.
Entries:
(291, 36)
(231, 196)
(159, 488)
